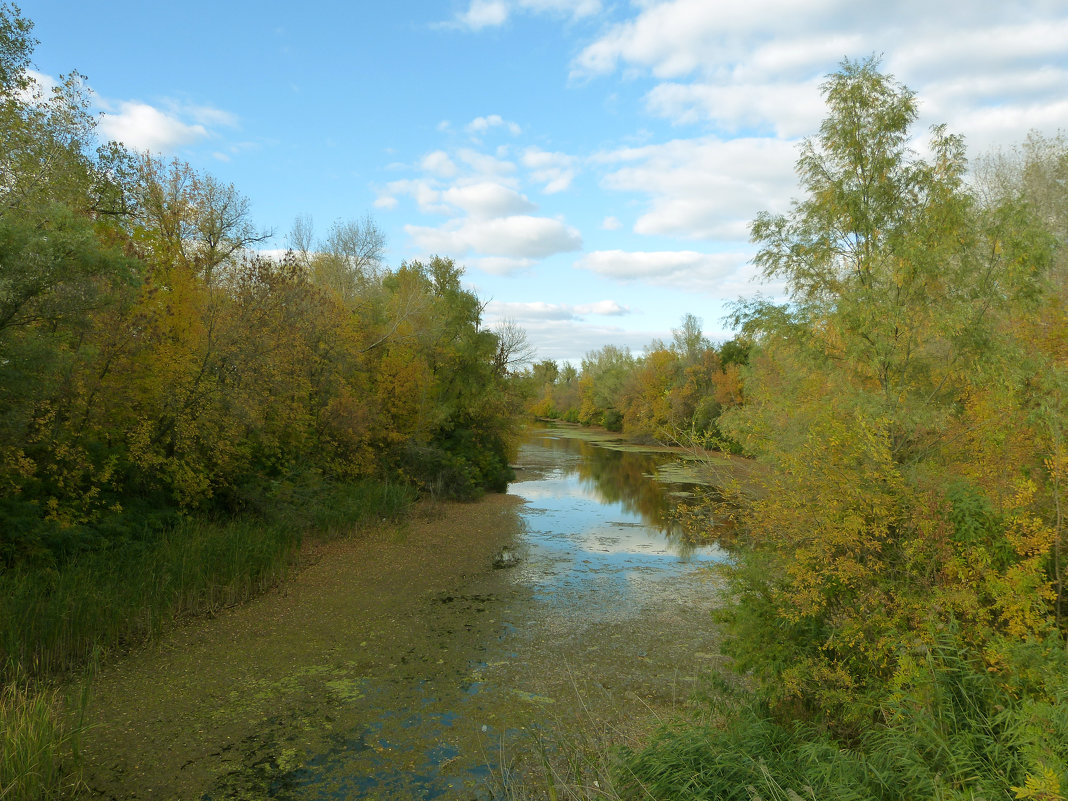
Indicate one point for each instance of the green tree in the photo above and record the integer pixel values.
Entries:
(860, 393)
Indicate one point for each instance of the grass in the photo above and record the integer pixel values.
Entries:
(40, 731)
(955, 732)
(55, 620)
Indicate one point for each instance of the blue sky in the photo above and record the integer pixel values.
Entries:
(593, 164)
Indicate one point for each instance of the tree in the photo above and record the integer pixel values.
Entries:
(195, 219)
(514, 350)
(870, 397)
(301, 239)
(688, 341)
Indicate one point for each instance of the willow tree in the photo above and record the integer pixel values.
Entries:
(867, 392)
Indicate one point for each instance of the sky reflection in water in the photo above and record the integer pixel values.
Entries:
(595, 515)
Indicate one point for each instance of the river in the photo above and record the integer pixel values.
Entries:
(402, 664)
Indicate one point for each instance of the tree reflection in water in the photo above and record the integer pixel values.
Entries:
(681, 511)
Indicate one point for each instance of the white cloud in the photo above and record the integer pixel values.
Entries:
(482, 124)
(555, 170)
(569, 339)
(40, 87)
(717, 274)
(539, 310)
(486, 199)
(206, 115)
(484, 164)
(502, 265)
(607, 308)
(754, 65)
(439, 163)
(518, 236)
(484, 14)
(676, 38)
(530, 310)
(704, 188)
(790, 109)
(611, 224)
(140, 126)
(425, 193)
(574, 8)
(494, 13)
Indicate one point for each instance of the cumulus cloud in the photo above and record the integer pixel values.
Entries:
(480, 125)
(483, 14)
(426, 194)
(140, 126)
(439, 163)
(494, 13)
(538, 310)
(490, 218)
(611, 223)
(787, 109)
(501, 265)
(569, 339)
(40, 87)
(709, 273)
(704, 188)
(554, 170)
(486, 199)
(607, 308)
(518, 236)
(755, 65)
(485, 164)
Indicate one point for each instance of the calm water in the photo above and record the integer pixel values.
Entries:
(606, 611)
(596, 524)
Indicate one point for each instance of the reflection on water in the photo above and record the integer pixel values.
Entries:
(596, 521)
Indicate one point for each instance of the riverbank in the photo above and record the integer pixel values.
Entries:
(231, 701)
(693, 465)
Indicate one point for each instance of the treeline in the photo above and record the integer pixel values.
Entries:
(899, 604)
(151, 364)
(672, 393)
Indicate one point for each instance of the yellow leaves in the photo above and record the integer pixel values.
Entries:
(1029, 535)
(1042, 784)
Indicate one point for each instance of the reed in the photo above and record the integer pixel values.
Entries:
(40, 731)
(55, 619)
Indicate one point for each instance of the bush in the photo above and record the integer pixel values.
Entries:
(612, 419)
(953, 730)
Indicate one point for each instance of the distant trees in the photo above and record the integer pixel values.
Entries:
(672, 393)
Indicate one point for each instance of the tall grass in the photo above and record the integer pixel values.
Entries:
(956, 731)
(54, 619)
(40, 730)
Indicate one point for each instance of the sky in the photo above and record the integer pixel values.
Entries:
(594, 165)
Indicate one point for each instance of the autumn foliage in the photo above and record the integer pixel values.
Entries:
(900, 595)
(153, 365)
